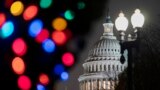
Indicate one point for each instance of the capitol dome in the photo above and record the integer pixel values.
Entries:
(102, 66)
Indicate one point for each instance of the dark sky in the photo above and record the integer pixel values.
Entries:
(151, 11)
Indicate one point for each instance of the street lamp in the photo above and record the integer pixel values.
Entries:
(121, 23)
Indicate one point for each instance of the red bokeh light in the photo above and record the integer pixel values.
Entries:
(24, 82)
(68, 59)
(19, 47)
(8, 3)
(30, 12)
(59, 37)
(68, 34)
(44, 79)
(2, 19)
(42, 36)
(18, 65)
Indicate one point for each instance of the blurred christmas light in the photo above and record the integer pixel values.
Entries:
(2, 19)
(68, 59)
(69, 15)
(81, 5)
(40, 87)
(35, 27)
(30, 12)
(64, 76)
(59, 37)
(43, 79)
(8, 3)
(48, 45)
(58, 69)
(59, 24)
(42, 36)
(18, 65)
(17, 8)
(7, 29)
(24, 82)
(45, 3)
(19, 47)
(68, 34)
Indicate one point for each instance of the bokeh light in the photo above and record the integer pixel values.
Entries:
(48, 45)
(81, 5)
(59, 24)
(35, 27)
(30, 12)
(69, 15)
(24, 82)
(45, 3)
(40, 87)
(7, 29)
(2, 19)
(68, 59)
(59, 37)
(17, 8)
(19, 47)
(58, 69)
(43, 79)
(18, 65)
(64, 76)
(8, 3)
(42, 36)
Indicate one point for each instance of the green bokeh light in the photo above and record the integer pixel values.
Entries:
(81, 5)
(45, 3)
(69, 15)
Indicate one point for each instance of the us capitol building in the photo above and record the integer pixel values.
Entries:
(102, 67)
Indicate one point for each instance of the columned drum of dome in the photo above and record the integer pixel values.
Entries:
(102, 66)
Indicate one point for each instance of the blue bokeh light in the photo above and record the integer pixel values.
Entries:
(64, 76)
(7, 29)
(35, 27)
(40, 87)
(58, 69)
(48, 45)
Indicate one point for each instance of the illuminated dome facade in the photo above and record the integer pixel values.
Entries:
(103, 65)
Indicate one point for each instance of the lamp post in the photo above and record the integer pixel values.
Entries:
(121, 23)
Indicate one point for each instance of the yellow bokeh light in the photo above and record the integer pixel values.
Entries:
(59, 24)
(17, 8)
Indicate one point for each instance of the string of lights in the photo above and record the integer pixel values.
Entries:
(37, 34)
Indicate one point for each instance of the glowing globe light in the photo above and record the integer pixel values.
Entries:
(30, 12)
(2, 19)
(7, 29)
(24, 82)
(59, 24)
(40, 87)
(68, 59)
(81, 5)
(35, 27)
(48, 45)
(59, 37)
(69, 15)
(121, 22)
(17, 8)
(43, 79)
(42, 36)
(45, 3)
(137, 19)
(64, 76)
(19, 47)
(58, 69)
(18, 65)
